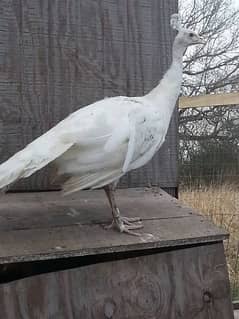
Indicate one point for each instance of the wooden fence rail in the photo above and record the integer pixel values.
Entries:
(209, 100)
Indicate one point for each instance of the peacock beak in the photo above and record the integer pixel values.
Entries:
(201, 40)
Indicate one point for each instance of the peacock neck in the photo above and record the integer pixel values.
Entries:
(165, 94)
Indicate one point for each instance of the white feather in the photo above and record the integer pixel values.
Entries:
(99, 143)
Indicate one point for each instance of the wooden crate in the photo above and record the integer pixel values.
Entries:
(61, 263)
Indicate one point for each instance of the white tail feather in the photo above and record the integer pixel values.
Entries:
(93, 180)
(12, 169)
(32, 158)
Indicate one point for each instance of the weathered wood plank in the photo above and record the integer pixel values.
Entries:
(49, 210)
(115, 47)
(188, 283)
(81, 240)
(39, 226)
(36, 52)
(209, 100)
(57, 56)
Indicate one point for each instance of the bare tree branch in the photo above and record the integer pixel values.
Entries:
(213, 68)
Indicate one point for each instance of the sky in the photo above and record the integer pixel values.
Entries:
(236, 3)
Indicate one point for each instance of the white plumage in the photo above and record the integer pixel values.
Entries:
(98, 144)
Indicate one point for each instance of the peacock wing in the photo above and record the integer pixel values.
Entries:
(145, 137)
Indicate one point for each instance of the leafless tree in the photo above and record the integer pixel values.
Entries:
(214, 67)
(211, 69)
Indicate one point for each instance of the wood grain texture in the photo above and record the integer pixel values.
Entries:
(191, 283)
(40, 226)
(209, 100)
(57, 56)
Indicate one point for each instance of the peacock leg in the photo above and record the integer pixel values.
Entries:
(123, 224)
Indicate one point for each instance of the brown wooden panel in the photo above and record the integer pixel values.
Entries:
(41, 69)
(57, 56)
(188, 283)
(38, 226)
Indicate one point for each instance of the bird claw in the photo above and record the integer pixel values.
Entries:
(127, 225)
(130, 220)
(128, 229)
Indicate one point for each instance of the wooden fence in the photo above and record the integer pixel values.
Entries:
(209, 100)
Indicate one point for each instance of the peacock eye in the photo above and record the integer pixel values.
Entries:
(191, 35)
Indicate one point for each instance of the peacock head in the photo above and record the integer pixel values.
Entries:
(185, 36)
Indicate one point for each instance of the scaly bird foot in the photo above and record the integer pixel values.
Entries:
(127, 225)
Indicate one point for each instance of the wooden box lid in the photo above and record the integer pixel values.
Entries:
(45, 225)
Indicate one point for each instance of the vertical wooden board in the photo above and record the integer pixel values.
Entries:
(115, 47)
(51, 65)
(187, 283)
